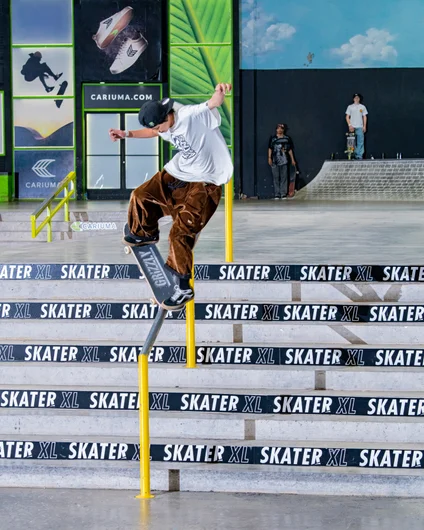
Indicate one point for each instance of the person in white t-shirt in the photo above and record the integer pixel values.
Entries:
(356, 119)
(189, 186)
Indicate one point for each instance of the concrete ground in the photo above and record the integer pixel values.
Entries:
(37, 509)
(290, 232)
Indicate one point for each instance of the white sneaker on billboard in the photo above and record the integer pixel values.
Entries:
(128, 54)
(110, 28)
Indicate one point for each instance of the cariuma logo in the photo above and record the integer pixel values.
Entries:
(40, 168)
(76, 226)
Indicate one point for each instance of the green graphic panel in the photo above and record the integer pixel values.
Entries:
(200, 21)
(225, 128)
(196, 72)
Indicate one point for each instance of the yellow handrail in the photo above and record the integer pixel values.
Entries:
(47, 205)
(190, 328)
(229, 192)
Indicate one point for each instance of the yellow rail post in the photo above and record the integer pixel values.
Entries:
(229, 192)
(143, 378)
(190, 328)
(143, 392)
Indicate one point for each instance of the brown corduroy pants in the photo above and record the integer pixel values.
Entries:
(191, 205)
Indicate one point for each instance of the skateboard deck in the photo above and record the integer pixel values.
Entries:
(151, 264)
(62, 90)
(350, 144)
(292, 182)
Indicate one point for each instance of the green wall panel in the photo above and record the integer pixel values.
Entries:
(200, 21)
(201, 53)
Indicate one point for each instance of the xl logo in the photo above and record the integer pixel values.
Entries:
(131, 52)
(40, 168)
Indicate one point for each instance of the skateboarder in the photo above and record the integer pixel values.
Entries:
(356, 119)
(34, 68)
(279, 149)
(189, 186)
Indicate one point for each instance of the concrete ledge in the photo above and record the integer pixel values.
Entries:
(368, 180)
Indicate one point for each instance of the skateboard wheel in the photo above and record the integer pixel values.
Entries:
(127, 250)
(153, 301)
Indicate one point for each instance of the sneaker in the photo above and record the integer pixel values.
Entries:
(283, 198)
(132, 240)
(110, 28)
(128, 54)
(178, 299)
(58, 76)
(276, 199)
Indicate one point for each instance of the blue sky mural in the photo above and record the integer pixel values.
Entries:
(332, 34)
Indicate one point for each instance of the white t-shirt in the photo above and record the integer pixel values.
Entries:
(203, 154)
(356, 112)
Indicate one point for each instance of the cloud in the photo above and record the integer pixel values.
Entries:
(261, 32)
(366, 50)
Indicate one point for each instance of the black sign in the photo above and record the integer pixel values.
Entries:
(352, 313)
(227, 272)
(219, 402)
(211, 355)
(217, 454)
(119, 96)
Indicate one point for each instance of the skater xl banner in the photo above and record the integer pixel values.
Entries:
(349, 313)
(261, 273)
(217, 454)
(118, 40)
(236, 403)
(247, 355)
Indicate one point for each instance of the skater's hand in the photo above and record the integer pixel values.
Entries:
(270, 161)
(223, 88)
(364, 129)
(116, 134)
(351, 128)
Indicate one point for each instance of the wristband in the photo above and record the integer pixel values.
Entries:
(127, 134)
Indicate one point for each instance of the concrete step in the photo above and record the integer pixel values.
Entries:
(235, 478)
(25, 226)
(266, 466)
(251, 332)
(79, 214)
(105, 423)
(172, 376)
(139, 290)
(356, 356)
(224, 377)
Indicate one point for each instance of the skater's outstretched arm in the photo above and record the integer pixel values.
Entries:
(118, 134)
(218, 98)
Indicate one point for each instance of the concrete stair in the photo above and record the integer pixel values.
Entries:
(15, 225)
(346, 449)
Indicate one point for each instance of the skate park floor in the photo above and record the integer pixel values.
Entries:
(44, 509)
(290, 232)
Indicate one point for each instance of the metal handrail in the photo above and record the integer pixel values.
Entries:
(70, 180)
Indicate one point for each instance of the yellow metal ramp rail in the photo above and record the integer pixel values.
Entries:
(68, 187)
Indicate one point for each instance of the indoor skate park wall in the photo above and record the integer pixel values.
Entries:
(5, 139)
(301, 66)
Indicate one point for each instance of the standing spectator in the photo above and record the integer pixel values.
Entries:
(279, 148)
(356, 119)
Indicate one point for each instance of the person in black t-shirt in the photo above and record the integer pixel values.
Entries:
(280, 149)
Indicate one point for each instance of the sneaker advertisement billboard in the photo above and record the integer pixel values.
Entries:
(118, 41)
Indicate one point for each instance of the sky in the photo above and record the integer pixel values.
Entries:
(41, 21)
(332, 34)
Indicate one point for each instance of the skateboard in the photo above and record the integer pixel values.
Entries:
(150, 262)
(292, 181)
(62, 90)
(350, 144)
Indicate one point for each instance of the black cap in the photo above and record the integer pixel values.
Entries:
(359, 96)
(153, 113)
